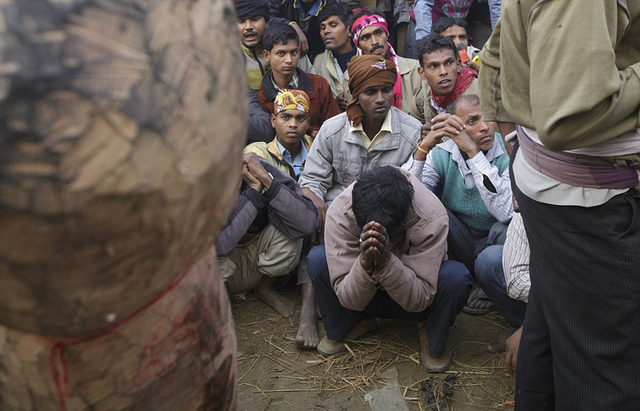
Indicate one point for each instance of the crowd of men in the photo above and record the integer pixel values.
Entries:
(382, 181)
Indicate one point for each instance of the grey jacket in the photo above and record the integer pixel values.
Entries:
(339, 157)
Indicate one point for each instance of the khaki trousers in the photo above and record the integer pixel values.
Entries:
(271, 253)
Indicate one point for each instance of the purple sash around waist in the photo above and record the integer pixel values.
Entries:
(575, 169)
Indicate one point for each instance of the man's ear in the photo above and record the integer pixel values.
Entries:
(267, 55)
(421, 72)
(273, 120)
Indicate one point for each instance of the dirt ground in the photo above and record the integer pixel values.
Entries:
(273, 374)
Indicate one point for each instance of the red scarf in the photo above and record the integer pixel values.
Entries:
(465, 77)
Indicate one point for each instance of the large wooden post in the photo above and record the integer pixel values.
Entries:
(121, 126)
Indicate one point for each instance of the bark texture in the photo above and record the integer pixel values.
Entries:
(121, 127)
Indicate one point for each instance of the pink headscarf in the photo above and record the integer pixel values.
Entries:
(375, 20)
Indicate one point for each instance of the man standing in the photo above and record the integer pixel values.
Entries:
(386, 257)
(444, 79)
(371, 36)
(576, 179)
(282, 52)
(332, 63)
(471, 169)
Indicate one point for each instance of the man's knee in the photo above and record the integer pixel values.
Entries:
(488, 265)
(454, 277)
(279, 254)
(497, 233)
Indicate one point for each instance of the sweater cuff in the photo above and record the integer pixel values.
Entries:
(256, 198)
(273, 190)
(386, 273)
(362, 274)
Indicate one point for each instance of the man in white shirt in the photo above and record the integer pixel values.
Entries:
(470, 171)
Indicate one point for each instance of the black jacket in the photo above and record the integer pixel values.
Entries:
(309, 24)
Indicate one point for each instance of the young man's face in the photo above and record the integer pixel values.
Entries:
(283, 57)
(457, 34)
(480, 132)
(291, 125)
(440, 70)
(376, 101)
(251, 29)
(374, 40)
(335, 35)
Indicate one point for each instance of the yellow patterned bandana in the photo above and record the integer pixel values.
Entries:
(291, 100)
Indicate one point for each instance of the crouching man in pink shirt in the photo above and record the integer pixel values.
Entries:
(386, 248)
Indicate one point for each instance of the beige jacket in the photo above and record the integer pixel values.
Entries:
(325, 66)
(271, 153)
(568, 69)
(411, 277)
(411, 82)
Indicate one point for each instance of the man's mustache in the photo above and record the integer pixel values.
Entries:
(376, 47)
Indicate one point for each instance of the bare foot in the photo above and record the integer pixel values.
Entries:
(479, 303)
(307, 337)
(479, 300)
(265, 293)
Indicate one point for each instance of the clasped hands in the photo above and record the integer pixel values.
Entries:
(375, 247)
(254, 173)
(445, 125)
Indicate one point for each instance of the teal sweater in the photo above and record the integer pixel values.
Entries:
(465, 203)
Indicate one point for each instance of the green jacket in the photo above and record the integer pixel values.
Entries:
(568, 69)
(255, 65)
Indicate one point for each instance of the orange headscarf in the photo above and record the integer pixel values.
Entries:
(291, 100)
(364, 72)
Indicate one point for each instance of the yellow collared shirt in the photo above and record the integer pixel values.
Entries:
(384, 131)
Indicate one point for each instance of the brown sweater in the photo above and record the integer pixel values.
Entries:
(411, 277)
(323, 104)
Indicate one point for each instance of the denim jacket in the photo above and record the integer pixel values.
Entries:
(339, 157)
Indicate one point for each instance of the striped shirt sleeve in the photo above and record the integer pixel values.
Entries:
(515, 260)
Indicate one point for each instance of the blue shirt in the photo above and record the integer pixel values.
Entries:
(314, 10)
(296, 164)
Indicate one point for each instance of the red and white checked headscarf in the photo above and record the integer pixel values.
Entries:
(376, 20)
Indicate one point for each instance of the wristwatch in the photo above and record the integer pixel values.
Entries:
(265, 189)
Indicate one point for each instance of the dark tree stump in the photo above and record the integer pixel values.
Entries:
(121, 127)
